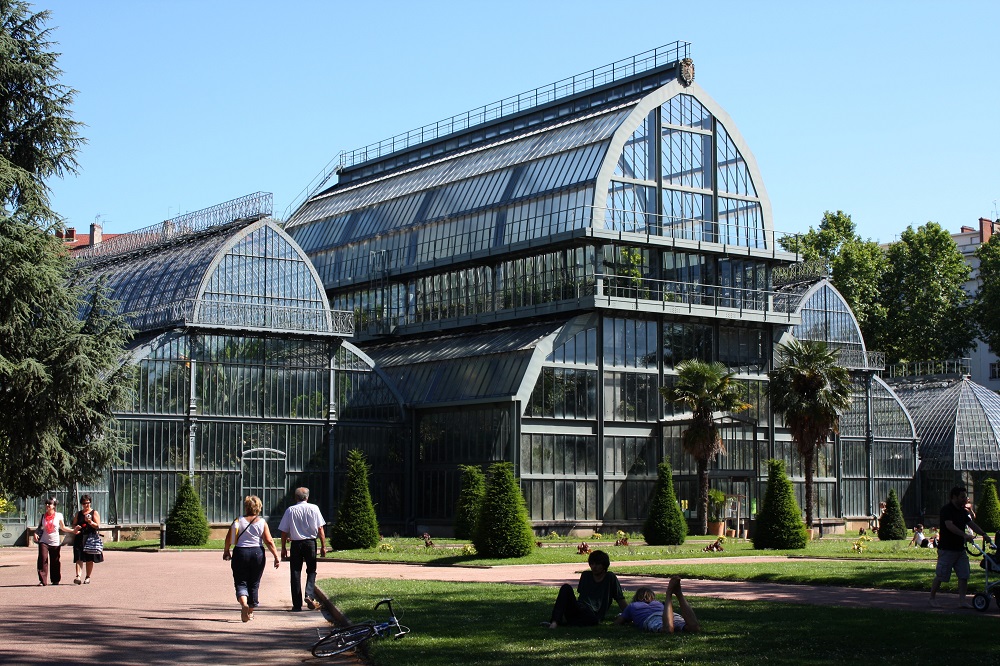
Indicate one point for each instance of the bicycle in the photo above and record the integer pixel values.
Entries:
(341, 639)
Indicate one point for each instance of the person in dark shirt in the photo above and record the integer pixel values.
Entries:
(951, 545)
(597, 588)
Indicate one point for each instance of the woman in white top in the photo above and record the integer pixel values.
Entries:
(247, 538)
(48, 536)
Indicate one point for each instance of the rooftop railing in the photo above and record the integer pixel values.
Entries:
(563, 88)
(257, 316)
(958, 366)
(249, 207)
(688, 294)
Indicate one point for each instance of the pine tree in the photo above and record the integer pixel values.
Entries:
(61, 375)
(665, 525)
(470, 501)
(356, 525)
(891, 526)
(779, 523)
(503, 530)
(186, 523)
(988, 511)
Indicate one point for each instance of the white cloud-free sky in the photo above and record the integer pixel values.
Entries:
(887, 110)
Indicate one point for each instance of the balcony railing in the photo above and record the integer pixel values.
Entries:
(958, 366)
(671, 292)
(228, 314)
(855, 359)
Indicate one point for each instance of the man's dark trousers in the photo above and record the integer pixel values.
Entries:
(303, 552)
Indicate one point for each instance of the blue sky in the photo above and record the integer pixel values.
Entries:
(886, 110)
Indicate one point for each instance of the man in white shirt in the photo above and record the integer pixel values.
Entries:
(302, 524)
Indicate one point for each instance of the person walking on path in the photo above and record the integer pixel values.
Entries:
(247, 537)
(88, 520)
(302, 524)
(951, 546)
(48, 536)
(597, 588)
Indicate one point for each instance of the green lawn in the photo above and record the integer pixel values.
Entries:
(497, 625)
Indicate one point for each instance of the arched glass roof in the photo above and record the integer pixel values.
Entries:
(659, 157)
(958, 421)
(826, 317)
(252, 278)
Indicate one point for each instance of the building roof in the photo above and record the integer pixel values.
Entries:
(958, 422)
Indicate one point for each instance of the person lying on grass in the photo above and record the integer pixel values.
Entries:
(651, 615)
(597, 588)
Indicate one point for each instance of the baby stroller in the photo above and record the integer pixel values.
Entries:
(991, 566)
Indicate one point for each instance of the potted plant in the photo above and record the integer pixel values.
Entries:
(716, 512)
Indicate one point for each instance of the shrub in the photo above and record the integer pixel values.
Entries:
(665, 525)
(503, 529)
(891, 526)
(470, 501)
(716, 505)
(988, 511)
(186, 523)
(779, 523)
(356, 525)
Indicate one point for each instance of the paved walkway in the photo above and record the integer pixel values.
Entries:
(179, 608)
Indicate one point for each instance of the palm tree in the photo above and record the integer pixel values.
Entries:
(705, 389)
(811, 390)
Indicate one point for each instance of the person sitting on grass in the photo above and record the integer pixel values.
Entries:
(597, 588)
(651, 615)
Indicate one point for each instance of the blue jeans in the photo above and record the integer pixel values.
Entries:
(303, 552)
(248, 567)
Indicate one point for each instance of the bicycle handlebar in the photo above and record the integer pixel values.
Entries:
(387, 600)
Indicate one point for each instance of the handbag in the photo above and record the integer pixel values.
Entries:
(93, 544)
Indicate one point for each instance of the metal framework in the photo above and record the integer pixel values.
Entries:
(247, 208)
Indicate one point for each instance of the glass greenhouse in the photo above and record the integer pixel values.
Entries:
(530, 273)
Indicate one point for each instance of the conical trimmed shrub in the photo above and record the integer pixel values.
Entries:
(779, 523)
(470, 501)
(665, 525)
(988, 511)
(503, 530)
(186, 523)
(356, 525)
(891, 526)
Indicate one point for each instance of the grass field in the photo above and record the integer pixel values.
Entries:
(497, 625)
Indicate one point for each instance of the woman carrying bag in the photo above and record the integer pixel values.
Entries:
(88, 548)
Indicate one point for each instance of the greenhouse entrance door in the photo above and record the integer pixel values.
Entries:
(263, 475)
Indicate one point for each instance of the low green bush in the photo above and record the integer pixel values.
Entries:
(988, 512)
(891, 526)
(470, 501)
(779, 523)
(356, 525)
(503, 530)
(186, 522)
(665, 525)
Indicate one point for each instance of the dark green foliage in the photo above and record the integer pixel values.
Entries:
(779, 523)
(356, 525)
(470, 501)
(891, 526)
(186, 524)
(987, 305)
(988, 511)
(503, 530)
(61, 376)
(665, 525)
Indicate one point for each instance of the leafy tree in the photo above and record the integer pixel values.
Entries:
(705, 389)
(665, 525)
(987, 304)
(356, 525)
(988, 511)
(61, 376)
(891, 526)
(779, 523)
(825, 242)
(186, 523)
(503, 529)
(38, 136)
(858, 273)
(928, 313)
(470, 501)
(811, 391)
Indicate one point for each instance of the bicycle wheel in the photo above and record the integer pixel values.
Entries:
(341, 640)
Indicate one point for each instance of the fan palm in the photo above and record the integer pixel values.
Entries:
(811, 390)
(706, 389)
